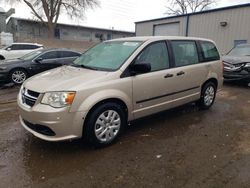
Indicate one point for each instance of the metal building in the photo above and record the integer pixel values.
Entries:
(26, 29)
(228, 26)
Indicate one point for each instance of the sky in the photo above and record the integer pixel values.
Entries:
(117, 14)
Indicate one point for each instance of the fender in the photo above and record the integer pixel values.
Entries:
(97, 97)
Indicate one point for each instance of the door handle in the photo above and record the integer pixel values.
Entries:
(168, 75)
(180, 73)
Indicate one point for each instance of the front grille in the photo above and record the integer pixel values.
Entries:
(233, 67)
(40, 128)
(33, 93)
(29, 97)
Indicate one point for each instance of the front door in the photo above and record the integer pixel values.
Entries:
(47, 61)
(150, 90)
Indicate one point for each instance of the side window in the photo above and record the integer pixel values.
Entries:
(16, 47)
(209, 51)
(185, 53)
(30, 47)
(9, 47)
(156, 54)
(65, 54)
(50, 55)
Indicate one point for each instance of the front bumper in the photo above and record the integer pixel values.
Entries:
(4, 78)
(64, 125)
(243, 75)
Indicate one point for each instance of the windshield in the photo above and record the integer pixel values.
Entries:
(31, 55)
(240, 51)
(107, 56)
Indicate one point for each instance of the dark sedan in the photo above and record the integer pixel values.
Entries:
(18, 70)
(237, 64)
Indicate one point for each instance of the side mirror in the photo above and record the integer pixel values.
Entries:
(8, 49)
(39, 60)
(140, 68)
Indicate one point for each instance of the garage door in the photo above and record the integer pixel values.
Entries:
(171, 29)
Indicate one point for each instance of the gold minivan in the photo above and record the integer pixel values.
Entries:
(118, 81)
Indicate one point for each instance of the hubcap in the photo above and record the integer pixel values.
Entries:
(107, 126)
(18, 77)
(209, 96)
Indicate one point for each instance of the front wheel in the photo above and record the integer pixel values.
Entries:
(208, 95)
(104, 124)
(18, 76)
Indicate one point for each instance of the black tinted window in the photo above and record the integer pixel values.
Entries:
(156, 54)
(15, 47)
(50, 55)
(185, 53)
(30, 47)
(23, 47)
(209, 51)
(69, 54)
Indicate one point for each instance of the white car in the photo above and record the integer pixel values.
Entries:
(16, 50)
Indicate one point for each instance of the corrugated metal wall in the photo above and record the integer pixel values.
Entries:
(207, 25)
(147, 28)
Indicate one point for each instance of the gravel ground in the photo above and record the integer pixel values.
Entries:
(183, 147)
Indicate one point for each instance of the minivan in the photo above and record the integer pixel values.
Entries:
(118, 81)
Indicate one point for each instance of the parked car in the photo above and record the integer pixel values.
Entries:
(119, 81)
(237, 64)
(18, 70)
(17, 50)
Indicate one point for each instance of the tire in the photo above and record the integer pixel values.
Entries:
(208, 94)
(104, 124)
(18, 76)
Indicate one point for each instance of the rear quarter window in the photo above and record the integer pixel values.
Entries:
(209, 51)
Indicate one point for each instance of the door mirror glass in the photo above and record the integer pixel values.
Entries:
(140, 68)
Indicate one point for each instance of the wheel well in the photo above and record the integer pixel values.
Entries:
(114, 100)
(213, 80)
(18, 68)
(2, 57)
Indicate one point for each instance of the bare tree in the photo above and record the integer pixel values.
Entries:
(48, 11)
(178, 7)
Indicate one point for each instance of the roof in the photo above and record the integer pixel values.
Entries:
(201, 12)
(73, 25)
(26, 43)
(157, 38)
(57, 49)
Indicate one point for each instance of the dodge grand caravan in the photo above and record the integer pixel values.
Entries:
(118, 81)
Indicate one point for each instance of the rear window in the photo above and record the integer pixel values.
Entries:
(185, 53)
(209, 51)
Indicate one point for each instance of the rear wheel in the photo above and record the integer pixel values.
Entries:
(208, 94)
(104, 124)
(18, 76)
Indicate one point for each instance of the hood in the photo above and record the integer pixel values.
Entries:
(66, 78)
(236, 59)
(10, 62)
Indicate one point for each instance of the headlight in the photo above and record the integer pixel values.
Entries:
(247, 65)
(58, 99)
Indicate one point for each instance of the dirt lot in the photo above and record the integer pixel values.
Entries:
(183, 147)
